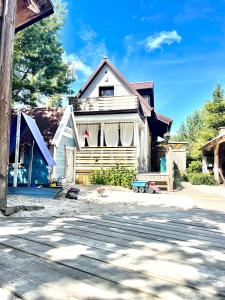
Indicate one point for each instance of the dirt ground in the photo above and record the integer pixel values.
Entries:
(120, 200)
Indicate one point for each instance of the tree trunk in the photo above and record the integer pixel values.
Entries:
(7, 29)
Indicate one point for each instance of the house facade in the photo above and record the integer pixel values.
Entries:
(59, 131)
(116, 122)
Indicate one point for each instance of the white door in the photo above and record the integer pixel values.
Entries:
(70, 165)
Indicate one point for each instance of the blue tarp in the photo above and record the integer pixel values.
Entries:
(30, 122)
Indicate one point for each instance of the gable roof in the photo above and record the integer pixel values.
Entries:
(218, 139)
(142, 85)
(51, 122)
(47, 119)
(146, 108)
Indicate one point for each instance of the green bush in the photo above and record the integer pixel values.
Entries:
(199, 178)
(195, 167)
(118, 176)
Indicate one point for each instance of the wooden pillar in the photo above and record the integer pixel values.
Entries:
(216, 163)
(169, 166)
(204, 163)
(7, 29)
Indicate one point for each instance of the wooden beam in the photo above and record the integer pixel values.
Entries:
(216, 163)
(33, 6)
(7, 29)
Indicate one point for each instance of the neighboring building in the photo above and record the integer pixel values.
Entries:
(116, 121)
(58, 128)
(213, 156)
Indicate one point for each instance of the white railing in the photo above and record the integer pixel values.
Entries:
(107, 103)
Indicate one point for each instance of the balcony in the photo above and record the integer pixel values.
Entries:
(106, 103)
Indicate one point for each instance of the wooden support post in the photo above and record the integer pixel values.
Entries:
(7, 29)
(216, 163)
(17, 149)
(204, 163)
(169, 160)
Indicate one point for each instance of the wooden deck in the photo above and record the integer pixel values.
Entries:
(171, 255)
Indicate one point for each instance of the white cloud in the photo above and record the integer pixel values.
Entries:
(164, 37)
(77, 65)
(87, 33)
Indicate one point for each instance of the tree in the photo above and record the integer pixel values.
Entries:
(188, 129)
(203, 125)
(39, 68)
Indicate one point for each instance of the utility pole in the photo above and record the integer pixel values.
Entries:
(7, 29)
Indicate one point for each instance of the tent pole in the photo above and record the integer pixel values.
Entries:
(31, 164)
(17, 149)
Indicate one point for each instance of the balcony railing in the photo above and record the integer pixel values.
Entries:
(107, 103)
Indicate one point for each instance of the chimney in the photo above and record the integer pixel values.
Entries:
(222, 130)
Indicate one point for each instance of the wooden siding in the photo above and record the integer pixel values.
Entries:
(107, 103)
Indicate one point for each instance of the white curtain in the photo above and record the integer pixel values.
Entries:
(126, 134)
(93, 135)
(111, 131)
(142, 147)
(81, 130)
(138, 145)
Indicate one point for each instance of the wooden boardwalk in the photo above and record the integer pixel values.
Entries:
(171, 255)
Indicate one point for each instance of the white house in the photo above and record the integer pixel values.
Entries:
(116, 120)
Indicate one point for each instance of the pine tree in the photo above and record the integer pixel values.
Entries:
(39, 69)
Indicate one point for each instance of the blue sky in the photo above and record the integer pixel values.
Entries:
(180, 45)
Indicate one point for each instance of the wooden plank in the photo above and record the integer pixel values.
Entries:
(148, 265)
(162, 250)
(132, 280)
(38, 278)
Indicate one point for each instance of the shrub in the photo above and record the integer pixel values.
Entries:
(199, 178)
(195, 167)
(118, 176)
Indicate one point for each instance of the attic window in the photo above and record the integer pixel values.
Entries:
(106, 91)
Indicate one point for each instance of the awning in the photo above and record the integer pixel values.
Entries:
(27, 121)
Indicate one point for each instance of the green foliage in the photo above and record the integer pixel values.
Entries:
(118, 176)
(203, 125)
(55, 101)
(39, 69)
(199, 178)
(195, 167)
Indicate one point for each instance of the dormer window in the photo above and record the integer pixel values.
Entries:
(106, 91)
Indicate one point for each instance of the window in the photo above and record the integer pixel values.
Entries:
(106, 91)
(147, 97)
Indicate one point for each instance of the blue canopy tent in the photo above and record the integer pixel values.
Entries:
(37, 157)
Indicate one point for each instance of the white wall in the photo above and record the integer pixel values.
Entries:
(106, 79)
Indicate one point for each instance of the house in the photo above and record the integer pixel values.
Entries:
(117, 122)
(58, 128)
(213, 156)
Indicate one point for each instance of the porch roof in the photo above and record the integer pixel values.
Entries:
(217, 140)
(31, 11)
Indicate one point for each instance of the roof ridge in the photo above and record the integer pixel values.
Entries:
(141, 81)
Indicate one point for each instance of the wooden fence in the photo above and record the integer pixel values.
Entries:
(96, 158)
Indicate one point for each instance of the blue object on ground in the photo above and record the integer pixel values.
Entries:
(139, 183)
(35, 192)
